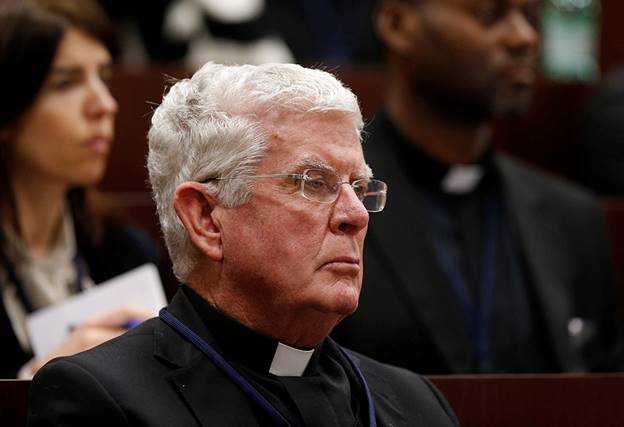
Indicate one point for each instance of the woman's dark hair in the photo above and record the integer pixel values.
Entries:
(30, 33)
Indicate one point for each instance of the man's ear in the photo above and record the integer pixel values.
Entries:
(397, 24)
(195, 206)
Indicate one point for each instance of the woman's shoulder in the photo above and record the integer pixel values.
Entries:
(120, 233)
(121, 248)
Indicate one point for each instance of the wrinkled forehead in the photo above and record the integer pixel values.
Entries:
(286, 127)
(327, 140)
(280, 118)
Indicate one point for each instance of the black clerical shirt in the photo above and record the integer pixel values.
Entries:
(328, 393)
(462, 225)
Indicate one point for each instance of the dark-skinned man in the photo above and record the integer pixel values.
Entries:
(480, 263)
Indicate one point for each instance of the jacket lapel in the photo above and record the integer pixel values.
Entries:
(199, 383)
(385, 399)
(541, 238)
(387, 406)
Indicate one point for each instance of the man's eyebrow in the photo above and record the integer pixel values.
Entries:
(367, 172)
(311, 162)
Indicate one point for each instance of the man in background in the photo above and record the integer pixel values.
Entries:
(480, 263)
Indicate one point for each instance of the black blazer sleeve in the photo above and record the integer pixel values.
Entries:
(65, 394)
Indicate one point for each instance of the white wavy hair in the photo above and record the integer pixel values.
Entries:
(211, 125)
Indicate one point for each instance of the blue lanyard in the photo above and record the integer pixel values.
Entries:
(478, 311)
(245, 385)
(21, 291)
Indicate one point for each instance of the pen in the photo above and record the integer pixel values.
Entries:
(132, 323)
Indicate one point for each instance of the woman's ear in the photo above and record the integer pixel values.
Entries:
(195, 206)
(397, 24)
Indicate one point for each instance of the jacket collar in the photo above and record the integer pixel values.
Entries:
(203, 387)
(430, 174)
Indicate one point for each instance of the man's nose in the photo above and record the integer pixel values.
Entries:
(349, 216)
(521, 34)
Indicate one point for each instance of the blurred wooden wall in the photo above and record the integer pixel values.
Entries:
(548, 136)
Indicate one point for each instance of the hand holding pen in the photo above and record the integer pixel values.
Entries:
(95, 330)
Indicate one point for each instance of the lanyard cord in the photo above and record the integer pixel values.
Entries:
(477, 311)
(222, 364)
(21, 290)
(241, 382)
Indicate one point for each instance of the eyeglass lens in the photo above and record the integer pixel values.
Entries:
(323, 186)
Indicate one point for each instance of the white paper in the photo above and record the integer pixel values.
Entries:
(139, 287)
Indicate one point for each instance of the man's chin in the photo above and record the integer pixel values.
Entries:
(346, 306)
(514, 105)
(342, 303)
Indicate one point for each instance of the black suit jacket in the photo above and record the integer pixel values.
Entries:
(122, 248)
(151, 376)
(408, 314)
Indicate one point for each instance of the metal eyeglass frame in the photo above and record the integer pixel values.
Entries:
(304, 177)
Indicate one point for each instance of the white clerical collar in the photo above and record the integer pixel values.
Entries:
(289, 361)
(461, 179)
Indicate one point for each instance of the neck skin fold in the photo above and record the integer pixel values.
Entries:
(303, 329)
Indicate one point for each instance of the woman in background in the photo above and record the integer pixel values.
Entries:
(56, 129)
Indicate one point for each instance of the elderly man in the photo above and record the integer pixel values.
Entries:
(480, 264)
(263, 196)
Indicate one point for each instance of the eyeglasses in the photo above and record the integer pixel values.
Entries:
(324, 186)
